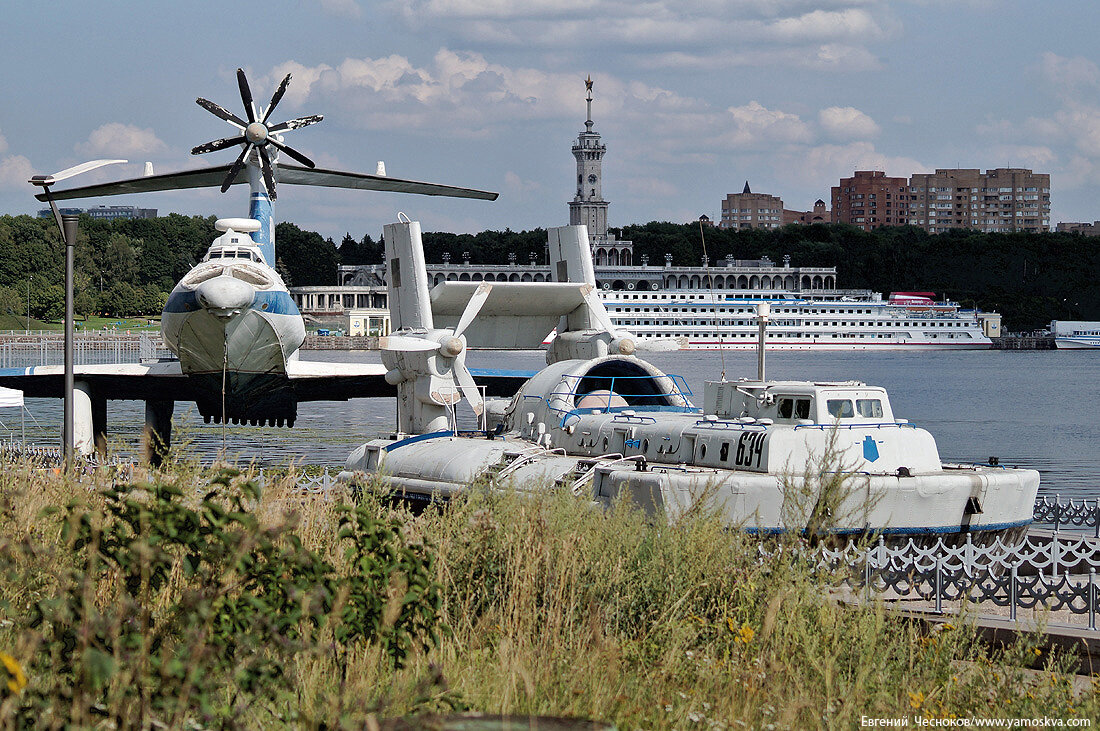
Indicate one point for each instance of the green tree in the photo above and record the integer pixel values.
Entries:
(310, 259)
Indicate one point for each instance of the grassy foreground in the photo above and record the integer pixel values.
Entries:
(193, 601)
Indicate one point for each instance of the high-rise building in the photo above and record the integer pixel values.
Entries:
(751, 210)
(870, 199)
(588, 207)
(1004, 199)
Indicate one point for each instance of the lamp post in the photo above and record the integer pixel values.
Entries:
(67, 224)
(29, 280)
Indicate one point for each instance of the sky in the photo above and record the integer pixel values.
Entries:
(693, 99)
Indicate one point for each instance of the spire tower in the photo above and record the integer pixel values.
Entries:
(588, 207)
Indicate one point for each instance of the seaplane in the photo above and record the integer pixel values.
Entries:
(824, 459)
(232, 325)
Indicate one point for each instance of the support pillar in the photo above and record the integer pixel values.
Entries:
(157, 437)
(89, 420)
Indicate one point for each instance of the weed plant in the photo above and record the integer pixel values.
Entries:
(193, 600)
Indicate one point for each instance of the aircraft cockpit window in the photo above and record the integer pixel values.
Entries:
(244, 255)
(870, 408)
(215, 255)
(840, 408)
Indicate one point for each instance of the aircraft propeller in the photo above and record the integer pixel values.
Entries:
(256, 133)
(449, 346)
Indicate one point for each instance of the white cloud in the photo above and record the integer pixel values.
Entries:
(3, 143)
(823, 165)
(115, 139)
(458, 95)
(847, 123)
(827, 33)
(818, 25)
(15, 171)
(518, 187)
(1070, 77)
(753, 125)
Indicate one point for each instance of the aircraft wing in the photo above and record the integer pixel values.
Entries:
(309, 380)
(121, 381)
(285, 174)
(326, 381)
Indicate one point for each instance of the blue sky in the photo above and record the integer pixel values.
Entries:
(693, 98)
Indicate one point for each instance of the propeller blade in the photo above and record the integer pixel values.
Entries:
(236, 167)
(221, 112)
(246, 96)
(276, 98)
(596, 309)
(218, 145)
(466, 384)
(472, 308)
(296, 123)
(269, 176)
(404, 343)
(292, 152)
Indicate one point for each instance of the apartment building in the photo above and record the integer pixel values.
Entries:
(870, 199)
(1004, 199)
(751, 210)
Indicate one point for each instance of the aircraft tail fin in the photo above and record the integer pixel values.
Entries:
(406, 276)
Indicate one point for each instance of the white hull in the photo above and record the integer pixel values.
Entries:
(724, 320)
(826, 345)
(1077, 344)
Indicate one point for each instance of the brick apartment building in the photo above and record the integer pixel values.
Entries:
(761, 210)
(1004, 199)
(751, 210)
(870, 199)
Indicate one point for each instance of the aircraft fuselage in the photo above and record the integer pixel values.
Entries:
(233, 325)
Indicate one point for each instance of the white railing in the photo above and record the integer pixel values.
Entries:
(87, 349)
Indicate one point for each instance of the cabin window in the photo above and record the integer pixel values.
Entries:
(724, 452)
(870, 408)
(840, 408)
(786, 408)
(802, 408)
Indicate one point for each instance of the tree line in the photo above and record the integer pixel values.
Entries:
(127, 267)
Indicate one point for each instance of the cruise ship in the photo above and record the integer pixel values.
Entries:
(712, 319)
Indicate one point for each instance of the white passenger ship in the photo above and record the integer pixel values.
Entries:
(1076, 334)
(711, 319)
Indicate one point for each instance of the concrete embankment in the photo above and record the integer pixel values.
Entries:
(1024, 342)
(340, 342)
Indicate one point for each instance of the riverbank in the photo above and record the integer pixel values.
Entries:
(498, 604)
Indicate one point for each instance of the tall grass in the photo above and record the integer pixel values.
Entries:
(542, 605)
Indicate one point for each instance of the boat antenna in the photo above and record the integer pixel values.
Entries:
(717, 312)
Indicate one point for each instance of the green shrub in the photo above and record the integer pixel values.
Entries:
(171, 612)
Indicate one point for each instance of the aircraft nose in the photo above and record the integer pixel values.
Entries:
(224, 296)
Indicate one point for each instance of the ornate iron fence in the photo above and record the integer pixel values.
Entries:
(1055, 572)
(1078, 513)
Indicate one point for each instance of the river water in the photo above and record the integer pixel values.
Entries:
(1038, 409)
